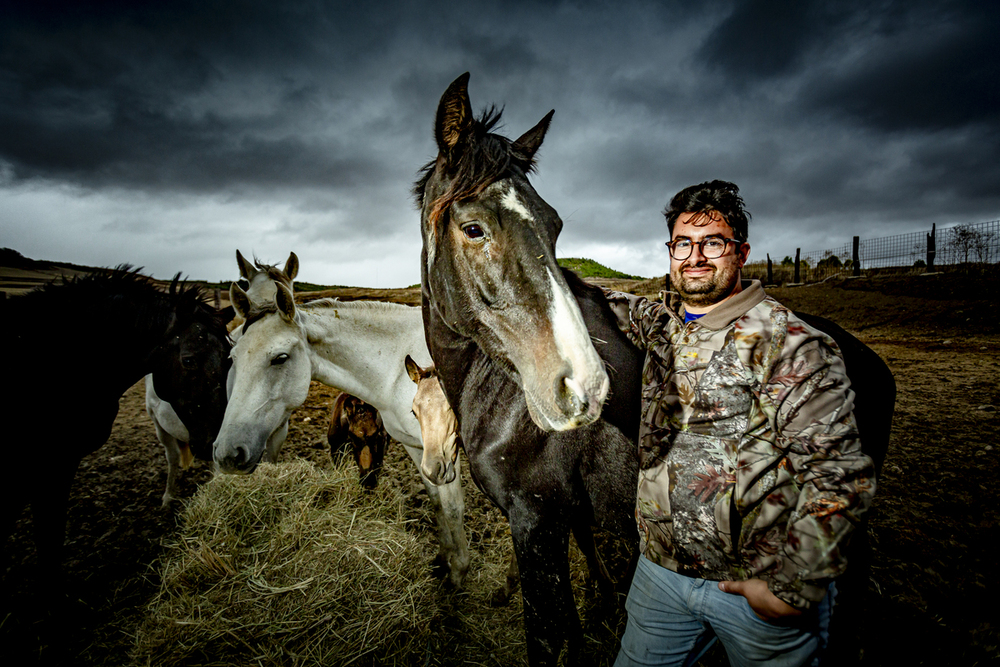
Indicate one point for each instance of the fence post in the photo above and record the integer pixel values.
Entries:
(797, 252)
(770, 270)
(856, 266)
(931, 247)
(218, 298)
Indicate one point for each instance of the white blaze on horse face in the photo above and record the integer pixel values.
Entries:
(588, 380)
(512, 203)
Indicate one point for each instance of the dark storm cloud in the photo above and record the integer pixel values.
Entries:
(303, 124)
(919, 64)
(136, 95)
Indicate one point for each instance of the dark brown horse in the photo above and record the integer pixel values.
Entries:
(97, 335)
(356, 426)
(510, 335)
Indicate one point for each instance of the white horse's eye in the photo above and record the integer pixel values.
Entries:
(280, 359)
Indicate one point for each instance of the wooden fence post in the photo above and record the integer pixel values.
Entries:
(931, 247)
(770, 270)
(797, 252)
(856, 266)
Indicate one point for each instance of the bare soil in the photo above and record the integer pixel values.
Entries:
(935, 522)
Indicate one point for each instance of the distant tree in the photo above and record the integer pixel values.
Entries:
(829, 262)
(920, 264)
(967, 241)
(788, 261)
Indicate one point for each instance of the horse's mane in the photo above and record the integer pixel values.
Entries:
(486, 158)
(123, 291)
(273, 272)
(259, 312)
(359, 304)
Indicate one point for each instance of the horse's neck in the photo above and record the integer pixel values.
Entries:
(456, 358)
(360, 350)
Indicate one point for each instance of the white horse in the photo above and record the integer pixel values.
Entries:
(356, 347)
(170, 429)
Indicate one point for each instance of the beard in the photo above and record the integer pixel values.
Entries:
(706, 290)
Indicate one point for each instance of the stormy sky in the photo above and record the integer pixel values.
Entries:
(169, 134)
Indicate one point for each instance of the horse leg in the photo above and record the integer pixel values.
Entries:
(550, 618)
(172, 451)
(501, 596)
(448, 501)
(597, 571)
(49, 509)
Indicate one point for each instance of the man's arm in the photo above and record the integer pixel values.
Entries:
(836, 480)
(635, 315)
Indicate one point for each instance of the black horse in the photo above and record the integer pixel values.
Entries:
(501, 321)
(96, 336)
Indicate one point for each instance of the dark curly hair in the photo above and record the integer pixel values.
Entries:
(721, 196)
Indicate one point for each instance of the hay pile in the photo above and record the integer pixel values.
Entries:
(295, 565)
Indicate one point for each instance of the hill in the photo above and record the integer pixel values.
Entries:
(588, 268)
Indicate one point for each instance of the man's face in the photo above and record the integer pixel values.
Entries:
(703, 282)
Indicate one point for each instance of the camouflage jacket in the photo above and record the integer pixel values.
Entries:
(750, 464)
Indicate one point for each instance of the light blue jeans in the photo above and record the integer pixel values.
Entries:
(673, 620)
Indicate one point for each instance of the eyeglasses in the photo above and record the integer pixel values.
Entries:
(711, 247)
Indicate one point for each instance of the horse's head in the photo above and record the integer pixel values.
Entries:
(438, 425)
(489, 269)
(269, 378)
(261, 278)
(357, 424)
(191, 366)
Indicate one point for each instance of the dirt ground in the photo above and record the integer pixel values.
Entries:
(935, 522)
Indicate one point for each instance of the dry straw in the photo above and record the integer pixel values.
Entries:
(296, 565)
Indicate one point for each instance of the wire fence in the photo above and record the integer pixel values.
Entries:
(960, 245)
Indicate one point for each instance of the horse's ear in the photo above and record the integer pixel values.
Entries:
(292, 266)
(240, 300)
(246, 268)
(175, 283)
(285, 302)
(226, 315)
(529, 142)
(454, 115)
(412, 369)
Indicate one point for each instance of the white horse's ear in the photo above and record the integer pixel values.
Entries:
(412, 369)
(292, 266)
(285, 302)
(246, 268)
(240, 300)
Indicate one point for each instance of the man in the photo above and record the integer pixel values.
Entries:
(751, 473)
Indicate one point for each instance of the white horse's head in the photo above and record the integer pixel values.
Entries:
(269, 378)
(438, 424)
(261, 278)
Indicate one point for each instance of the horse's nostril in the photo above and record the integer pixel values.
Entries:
(570, 395)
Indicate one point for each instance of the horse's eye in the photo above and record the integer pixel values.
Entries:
(473, 231)
(189, 362)
(280, 359)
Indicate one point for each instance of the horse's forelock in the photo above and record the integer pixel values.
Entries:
(483, 159)
(258, 313)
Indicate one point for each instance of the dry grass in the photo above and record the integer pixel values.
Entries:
(295, 565)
